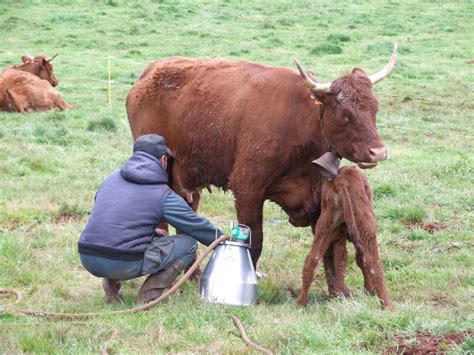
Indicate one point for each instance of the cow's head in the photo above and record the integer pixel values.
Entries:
(39, 66)
(349, 111)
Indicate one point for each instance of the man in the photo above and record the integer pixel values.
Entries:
(121, 240)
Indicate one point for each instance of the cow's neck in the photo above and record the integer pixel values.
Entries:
(28, 67)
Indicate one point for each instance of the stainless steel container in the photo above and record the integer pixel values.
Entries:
(229, 276)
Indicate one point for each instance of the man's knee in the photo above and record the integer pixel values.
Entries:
(185, 242)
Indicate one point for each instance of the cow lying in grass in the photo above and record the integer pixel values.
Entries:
(29, 87)
(346, 214)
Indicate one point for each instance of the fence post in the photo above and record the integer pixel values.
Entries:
(110, 83)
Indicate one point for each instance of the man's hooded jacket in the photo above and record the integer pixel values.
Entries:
(129, 205)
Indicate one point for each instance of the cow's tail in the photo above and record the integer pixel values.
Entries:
(348, 209)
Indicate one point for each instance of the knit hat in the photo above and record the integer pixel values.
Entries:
(153, 144)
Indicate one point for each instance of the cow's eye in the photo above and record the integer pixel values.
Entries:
(347, 118)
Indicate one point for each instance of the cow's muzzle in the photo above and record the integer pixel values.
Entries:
(376, 154)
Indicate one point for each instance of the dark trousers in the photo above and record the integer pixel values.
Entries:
(159, 255)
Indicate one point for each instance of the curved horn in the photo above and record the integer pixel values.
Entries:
(50, 59)
(382, 74)
(314, 86)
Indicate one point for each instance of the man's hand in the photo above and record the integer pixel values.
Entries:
(161, 232)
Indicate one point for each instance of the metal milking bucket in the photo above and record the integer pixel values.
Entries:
(229, 276)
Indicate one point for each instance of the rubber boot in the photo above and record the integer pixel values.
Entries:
(157, 283)
(113, 291)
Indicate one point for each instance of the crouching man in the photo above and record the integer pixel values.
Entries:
(121, 240)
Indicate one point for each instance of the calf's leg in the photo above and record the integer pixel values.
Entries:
(339, 287)
(329, 267)
(321, 242)
(368, 285)
(372, 268)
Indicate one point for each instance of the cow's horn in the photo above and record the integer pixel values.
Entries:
(382, 74)
(313, 85)
(50, 59)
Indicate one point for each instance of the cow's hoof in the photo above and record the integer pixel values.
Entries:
(387, 304)
(370, 291)
(341, 292)
(301, 301)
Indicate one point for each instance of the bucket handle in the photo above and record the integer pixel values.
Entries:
(232, 225)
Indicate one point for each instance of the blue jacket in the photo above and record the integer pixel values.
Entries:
(129, 205)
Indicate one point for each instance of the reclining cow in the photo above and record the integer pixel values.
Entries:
(346, 214)
(29, 87)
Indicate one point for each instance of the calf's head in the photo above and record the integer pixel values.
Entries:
(348, 114)
(297, 193)
(39, 66)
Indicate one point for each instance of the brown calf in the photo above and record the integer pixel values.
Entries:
(29, 87)
(346, 214)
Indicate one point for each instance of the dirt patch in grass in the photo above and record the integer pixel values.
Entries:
(430, 227)
(70, 213)
(14, 224)
(66, 218)
(427, 343)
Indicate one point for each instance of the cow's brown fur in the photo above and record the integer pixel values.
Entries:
(346, 214)
(29, 87)
(253, 129)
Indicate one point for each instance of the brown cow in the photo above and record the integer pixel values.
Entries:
(346, 214)
(29, 87)
(254, 129)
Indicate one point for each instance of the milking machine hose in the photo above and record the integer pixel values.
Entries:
(145, 307)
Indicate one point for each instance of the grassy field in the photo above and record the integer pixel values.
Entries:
(52, 163)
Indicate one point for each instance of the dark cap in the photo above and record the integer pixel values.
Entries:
(153, 144)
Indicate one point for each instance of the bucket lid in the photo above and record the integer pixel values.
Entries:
(238, 242)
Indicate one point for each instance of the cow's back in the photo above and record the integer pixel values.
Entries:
(213, 112)
(19, 81)
(32, 92)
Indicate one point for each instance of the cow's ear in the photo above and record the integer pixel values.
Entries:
(26, 58)
(44, 61)
(358, 71)
(323, 99)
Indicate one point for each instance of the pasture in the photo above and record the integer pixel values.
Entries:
(52, 163)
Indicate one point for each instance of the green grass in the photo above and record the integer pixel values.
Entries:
(52, 163)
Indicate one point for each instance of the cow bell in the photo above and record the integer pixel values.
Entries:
(328, 164)
(229, 277)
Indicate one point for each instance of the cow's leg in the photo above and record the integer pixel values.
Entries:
(249, 208)
(193, 201)
(372, 267)
(321, 242)
(196, 198)
(340, 263)
(19, 102)
(60, 103)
